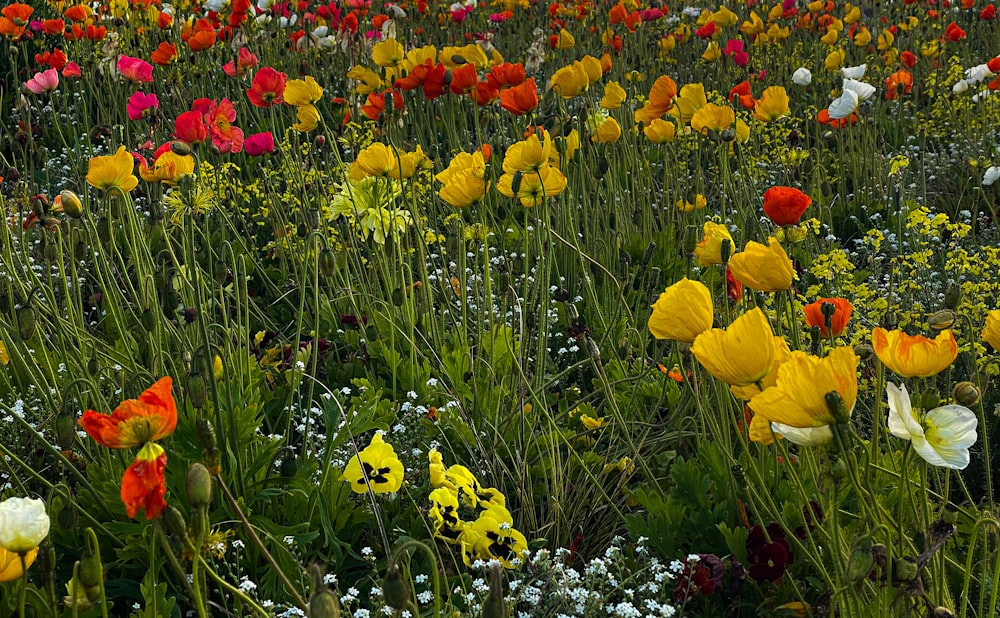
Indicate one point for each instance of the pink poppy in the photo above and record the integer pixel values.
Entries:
(242, 64)
(141, 105)
(135, 69)
(734, 49)
(218, 117)
(43, 81)
(259, 144)
(72, 70)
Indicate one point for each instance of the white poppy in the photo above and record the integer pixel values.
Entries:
(960, 86)
(802, 77)
(977, 74)
(804, 436)
(24, 523)
(991, 175)
(844, 105)
(854, 72)
(865, 91)
(942, 437)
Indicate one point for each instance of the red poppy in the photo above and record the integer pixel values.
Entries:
(53, 26)
(143, 484)
(484, 93)
(734, 288)
(164, 54)
(463, 79)
(77, 13)
(520, 99)
(617, 14)
(900, 82)
(989, 12)
(742, 90)
(994, 65)
(908, 58)
(56, 59)
(267, 87)
(135, 421)
(785, 205)
(823, 117)
(954, 33)
(506, 75)
(376, 102)
(190, 127)
(840, 310)
(434, 85)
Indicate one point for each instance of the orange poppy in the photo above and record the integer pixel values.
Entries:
(520, 99)
(900, 82)
(463, 79)
(164, 54)
(840, 310)
(135, 421)
(144, 484)
(785, 205)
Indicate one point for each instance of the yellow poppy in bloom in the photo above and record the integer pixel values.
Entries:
(10, 564)
(660, 100)
(308, 117)
(799, 398)
(454, 57)
(712, 52)
(368, 80)
(834, 60)
(570, 81)
(781, 354)
(831, 36)
(885, 40)
(863, 37)
(710, 249)
(377, 466)
(407, 163)
(168, 168)
(659, 131)
(991, 331)
(463, 189)
(853, 14)
(766, 269)
(529, 154)
(740, 355)
(725, 18)
(113, 171)
(548, 181)
(603, 128)
(614, 96)
(914, 356)
(376, 160)
(712, 117)
(682, 312)
(4, 356)
(565, 40)
(752, 26)
(699, 202)
(463, 162)
(388, 53)
(299, 92)
(691, 99)
(773, 104)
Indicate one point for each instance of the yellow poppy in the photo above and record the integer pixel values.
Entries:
(834, 59)
(712, 52)
(606, 129)
(376, 160)
(614, 96)
(691, 99)
(10, 564)
(740, 355)
(991, 331)
(528, 155)
(308, 117)
(682, 312)
(773, 104)
(659, 131)
(710, 249)
(565, 40)
(570, 81)
(464, 188)
(766, 269)
(548, 181)
(113, 171)
(168, 168)
(914, 356)
(388, 53)
(781, 354)
(699, 202)
(712, 117)
(299, 92)
(799, 398)
(368, 80)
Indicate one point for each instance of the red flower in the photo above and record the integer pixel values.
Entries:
(900, 82)
(164, 54)
(506, 75)
(135, 421)
(190, 127)
(734, 288)
(520, 99)
(485, 93)
(954, 33)
(267, 87)
(143, 484)
(434, 82)
(908, 58)
(464, 79)
(259, 144)
(768, 559)
(785, 205)
(989, 12)
(376, 103)
(742, 90)
(840, 310)
(53, 26)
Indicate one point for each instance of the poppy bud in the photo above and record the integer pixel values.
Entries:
(941, 612)
(175, 522)
(966, 394)
(860, 564)
(328, 262)
(26, 322)
(515, 183)
(397, 297)
(942, 320)
(395, 589)
(324, 604)
(71, 204)
(494, 605)
(930, 399)
(728, 134)
(104, 231)
(199, 485)
(196, 389)
(890, 321)
(66, 518)
(839, 470)
(180, 148)
(91, 571)
(289, 466)
(148, 320)
(904, 570)
(65, 431)
(80, 250)
(953, 296)
(864, 351)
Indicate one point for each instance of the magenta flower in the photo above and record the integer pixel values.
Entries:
(259, 144)
(135, 69)
(734, 49)
(142, 105)
(43, 81)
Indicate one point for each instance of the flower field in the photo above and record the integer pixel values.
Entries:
(521, 308)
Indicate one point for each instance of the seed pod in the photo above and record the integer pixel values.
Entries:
(206, 435)
(953, 296)
(904, 570)
(494, 605)
(199, 485)
(104, 231)
(26, 322)
(395, 589)
(966, 394)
